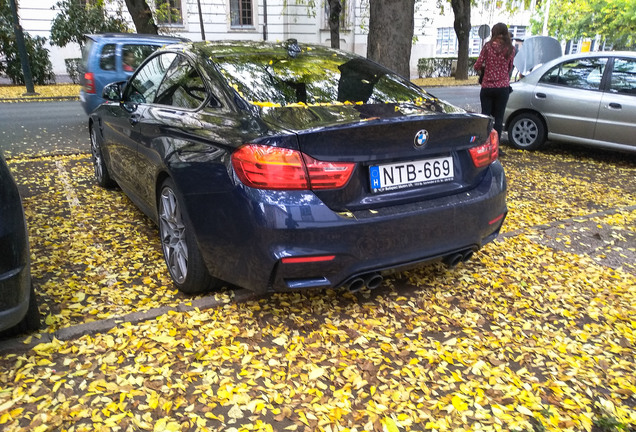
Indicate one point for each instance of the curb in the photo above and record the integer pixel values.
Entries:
(18, 345)
(40, 99)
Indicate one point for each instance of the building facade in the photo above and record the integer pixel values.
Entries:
(283, 19)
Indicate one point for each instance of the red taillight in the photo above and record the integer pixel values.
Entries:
(266, 167)
(89, 83)
(486, 153)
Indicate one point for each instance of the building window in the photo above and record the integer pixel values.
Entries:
(518, 32)
(241, 13)
(169, 12)
(446, 41)
(474, 44)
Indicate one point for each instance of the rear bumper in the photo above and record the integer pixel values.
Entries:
(249, 252)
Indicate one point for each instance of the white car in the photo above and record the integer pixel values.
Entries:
(586, 98)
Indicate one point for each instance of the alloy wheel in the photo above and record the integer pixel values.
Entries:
(173, 235)
(98, 162)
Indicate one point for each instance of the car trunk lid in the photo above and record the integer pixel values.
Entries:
(403, 152)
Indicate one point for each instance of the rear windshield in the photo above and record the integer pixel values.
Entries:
(280, 80)
(86, 50)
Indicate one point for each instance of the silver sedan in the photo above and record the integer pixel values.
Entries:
(586, 98)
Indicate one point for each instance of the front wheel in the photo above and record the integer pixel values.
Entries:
(180, 249)
(526, 132)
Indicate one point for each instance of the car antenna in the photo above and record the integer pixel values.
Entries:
(293, 49)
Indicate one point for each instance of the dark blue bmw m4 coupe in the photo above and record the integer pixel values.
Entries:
(278, 167)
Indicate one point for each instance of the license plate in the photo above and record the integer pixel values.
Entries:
(410, 174)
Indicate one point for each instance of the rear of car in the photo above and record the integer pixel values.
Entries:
(113, 57)
(376, 173)
(18, 307)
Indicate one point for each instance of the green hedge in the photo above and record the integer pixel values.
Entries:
(441, 67)
(72, 70)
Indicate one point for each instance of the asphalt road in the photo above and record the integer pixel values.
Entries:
(466, 97)
(37, 128)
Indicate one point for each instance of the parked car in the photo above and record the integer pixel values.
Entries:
(277, 167)
(112, 57)
(587, 98)
(18, 306)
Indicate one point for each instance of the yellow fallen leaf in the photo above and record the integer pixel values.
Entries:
(389, 425)
(316, 373)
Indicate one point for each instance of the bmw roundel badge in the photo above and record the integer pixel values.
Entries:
(421, 138)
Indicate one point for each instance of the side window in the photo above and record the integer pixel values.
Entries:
(144, 84)
(624, 76)
(133, 55)
(183, 86)
(580, 73)
(241, 13)
(107, 57)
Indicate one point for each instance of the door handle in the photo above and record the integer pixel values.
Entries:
(540, 95)
(134, 119)
(615, 105)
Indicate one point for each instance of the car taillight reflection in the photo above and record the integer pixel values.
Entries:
(486, 153)
(266, 167)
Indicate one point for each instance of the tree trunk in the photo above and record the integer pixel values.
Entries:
(335, 7)
(142, 16)
(461, 8)
(391, 24)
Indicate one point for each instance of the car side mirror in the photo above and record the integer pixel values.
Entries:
(112, 92)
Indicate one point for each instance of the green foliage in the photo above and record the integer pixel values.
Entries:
(74, 20)
(10, 65)
(165, 13)
(613, 20)
(72, 69)
(440, 66)
(607, 423)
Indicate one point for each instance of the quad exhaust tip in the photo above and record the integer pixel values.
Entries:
(370, 281)
(454, 259)
(373, 280)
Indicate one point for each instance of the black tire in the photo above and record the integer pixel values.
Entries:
(180, 250)
(31, 321)
(526, 131)
(102, 175)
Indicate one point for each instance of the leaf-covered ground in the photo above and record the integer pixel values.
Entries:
(537, 332)
(13, 93)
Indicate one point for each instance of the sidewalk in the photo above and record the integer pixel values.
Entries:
(57, 92)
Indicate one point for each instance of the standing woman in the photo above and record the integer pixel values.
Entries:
(495, 66)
